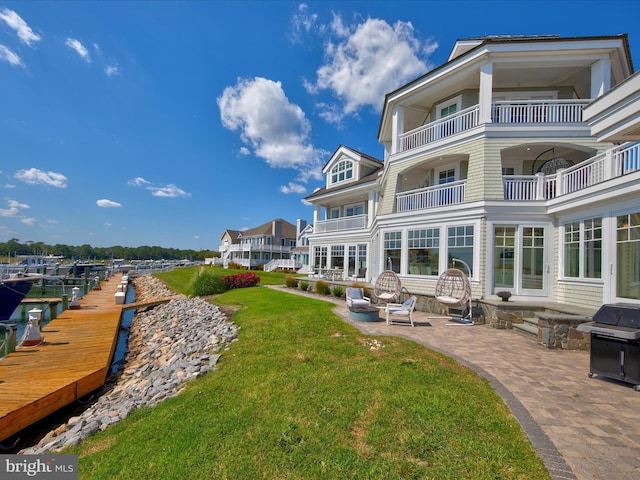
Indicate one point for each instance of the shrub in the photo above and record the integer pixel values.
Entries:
(291, 282)
(236, 266)
(304, 286)
(207, 282)
(338, 291)
(322, 288)
(241, 280)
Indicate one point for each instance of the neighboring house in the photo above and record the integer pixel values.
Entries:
(488, 159)
(269, 245)
(300, 252)
(348, 204)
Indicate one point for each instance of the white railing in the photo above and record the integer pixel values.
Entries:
(445, 127)
(538, 111)
(627, 159)
(284, 263)
(338, 224)
(521, 187)
(429, 197)
(615, 163)
(248, 247)
(502, 112)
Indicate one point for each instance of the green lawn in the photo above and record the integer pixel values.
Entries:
(304, 395)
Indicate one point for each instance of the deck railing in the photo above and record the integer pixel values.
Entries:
(429, 197)
(343, 223)
(445, 127)
(538, 111)
(502, 112)
(615, 163)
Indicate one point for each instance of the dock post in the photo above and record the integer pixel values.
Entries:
(65, 302)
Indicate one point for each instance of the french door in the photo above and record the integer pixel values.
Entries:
(519, 260)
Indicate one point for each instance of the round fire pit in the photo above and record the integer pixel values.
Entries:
(364, 314)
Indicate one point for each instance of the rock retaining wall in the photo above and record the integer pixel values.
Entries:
(168, 346)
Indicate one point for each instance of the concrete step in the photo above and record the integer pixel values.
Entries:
(529, 326)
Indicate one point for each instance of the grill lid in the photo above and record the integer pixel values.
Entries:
(618, 314)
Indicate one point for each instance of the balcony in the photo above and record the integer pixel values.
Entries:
(612, 164)
(619, 161)
(353, 222)
(533, 112)
(430, 197)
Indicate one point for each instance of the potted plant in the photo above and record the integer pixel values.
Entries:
(505, 295)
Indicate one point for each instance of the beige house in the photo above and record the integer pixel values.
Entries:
(489, 160)
(267, 245)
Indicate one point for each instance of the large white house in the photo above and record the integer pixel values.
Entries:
(517, 156)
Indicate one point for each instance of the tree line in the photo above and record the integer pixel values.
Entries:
(13, 247)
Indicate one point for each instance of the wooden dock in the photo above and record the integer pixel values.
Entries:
(73, 360)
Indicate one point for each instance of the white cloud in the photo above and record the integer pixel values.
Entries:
(270, 126)
(138, 181)
(10, 56)
(197, 237)
(104, 203)
(79, 48)
(29, 221)
(111, 70)
(168, 191)
(293, 188)
(14, 209)
(302, 23)
(24, 32)
(35, 176)
(107, 224)
(364, 62)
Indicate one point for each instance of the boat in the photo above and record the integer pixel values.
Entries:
(13, 289)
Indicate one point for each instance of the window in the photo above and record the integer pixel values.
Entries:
(447, 176)
(337, 256)
(572, 249)
(628, 256)
(392, 251)
(583, 248)
(460, 246)
(334, 213)
(424, 247)
(508, 171)
(320, 257)
(352, 210)
(342, 171)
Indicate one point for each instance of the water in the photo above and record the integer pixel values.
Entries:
(123, 334)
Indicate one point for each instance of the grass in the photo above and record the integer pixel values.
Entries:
(304, 395)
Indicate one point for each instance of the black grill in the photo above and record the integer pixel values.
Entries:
(615, 342)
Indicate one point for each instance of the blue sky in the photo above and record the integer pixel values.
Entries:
(167, 122)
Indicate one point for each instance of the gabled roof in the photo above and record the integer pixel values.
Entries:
(359, 155)
(233, 234)
(266, 229)
(371, 178)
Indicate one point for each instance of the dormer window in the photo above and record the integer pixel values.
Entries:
(342, 171)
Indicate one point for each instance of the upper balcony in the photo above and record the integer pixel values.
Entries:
(353, 222)
(530, 113)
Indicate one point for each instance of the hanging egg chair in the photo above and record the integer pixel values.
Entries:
(453, 289)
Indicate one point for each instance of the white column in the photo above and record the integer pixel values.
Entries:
(486, 88)
(371, 209)
(397, 127)
(600, 78)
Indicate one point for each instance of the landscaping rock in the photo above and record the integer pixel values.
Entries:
(168, 346)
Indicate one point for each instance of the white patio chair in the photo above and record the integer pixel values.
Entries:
(356, 298)
(401, 313)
